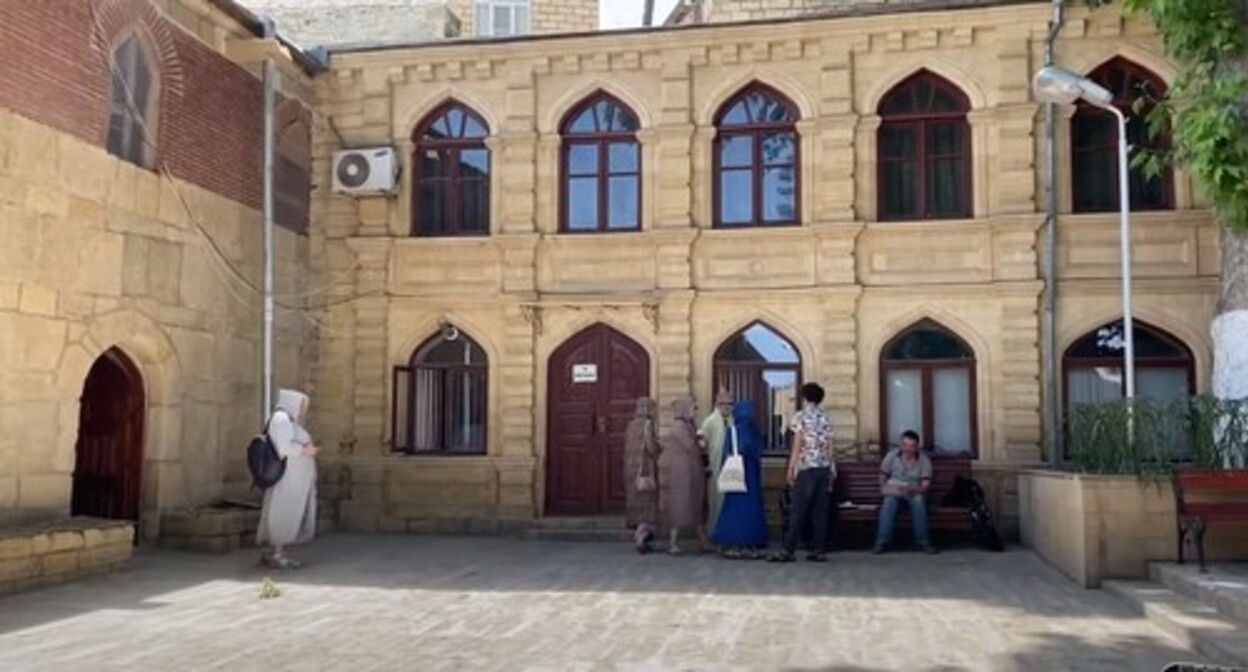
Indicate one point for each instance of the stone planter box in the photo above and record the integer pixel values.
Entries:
(57, 552)
(1094, 527)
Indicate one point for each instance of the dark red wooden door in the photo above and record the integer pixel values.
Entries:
(108, 464)
(595, 379)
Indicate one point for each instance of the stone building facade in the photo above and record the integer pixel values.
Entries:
(551, 329)
(129, 354)
(312, 23)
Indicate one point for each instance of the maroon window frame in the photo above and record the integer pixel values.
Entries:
(760, 121)
(924, 132)
(434, 391)
(1094, 142)
(451, 132)
(597, 132)
(956, 355)
(740, 369)
(1155, 349)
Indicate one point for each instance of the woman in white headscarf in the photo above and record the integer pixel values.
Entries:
(289, 513)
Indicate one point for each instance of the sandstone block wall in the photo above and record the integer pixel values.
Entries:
(838, 286)
(60, 552)
(100, 253)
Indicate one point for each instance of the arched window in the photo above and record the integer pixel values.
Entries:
(132, 107)
(601, 167)
(1164, 369)
(759, 364)
(924, 150)
(452, 181)
(441, 398)
(757, 160)
(927, 376)
(1094, 142)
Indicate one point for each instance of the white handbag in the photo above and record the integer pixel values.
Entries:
(732, 474)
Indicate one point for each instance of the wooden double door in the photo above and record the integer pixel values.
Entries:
(595, 380)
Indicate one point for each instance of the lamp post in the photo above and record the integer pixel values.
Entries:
(1055, 85)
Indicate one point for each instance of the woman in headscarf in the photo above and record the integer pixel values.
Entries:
(641, 469)
(686, 476)
(289, 513)
(742, 526)
(714, 429)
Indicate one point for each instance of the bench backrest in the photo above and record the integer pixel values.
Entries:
(1219, 491)
(860, 481)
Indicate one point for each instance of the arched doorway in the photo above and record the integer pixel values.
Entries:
(594, 381)
(108, 458)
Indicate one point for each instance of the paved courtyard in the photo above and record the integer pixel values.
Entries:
(407, 603)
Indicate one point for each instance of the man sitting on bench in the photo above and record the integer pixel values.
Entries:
(905, 476)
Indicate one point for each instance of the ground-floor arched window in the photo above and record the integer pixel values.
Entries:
(1165, 371)
(927, 380)
(441, 398)
(761, 365)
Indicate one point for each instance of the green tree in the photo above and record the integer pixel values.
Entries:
(1207, 111)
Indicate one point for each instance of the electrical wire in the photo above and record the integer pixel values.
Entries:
(223, 267)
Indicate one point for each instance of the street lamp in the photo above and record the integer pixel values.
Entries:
(1055, 85)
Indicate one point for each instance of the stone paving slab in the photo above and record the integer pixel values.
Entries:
(367, 603)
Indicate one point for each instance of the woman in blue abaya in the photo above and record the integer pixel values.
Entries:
(741, 530)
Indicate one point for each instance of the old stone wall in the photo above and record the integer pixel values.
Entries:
(838, 286)
(100, 253)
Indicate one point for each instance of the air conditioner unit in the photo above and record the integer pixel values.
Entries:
(364, 172)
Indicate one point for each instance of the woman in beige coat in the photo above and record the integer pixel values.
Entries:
(685, 484)
(641, 471)
(289, 513)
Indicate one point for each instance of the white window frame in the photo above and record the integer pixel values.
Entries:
(519, 13)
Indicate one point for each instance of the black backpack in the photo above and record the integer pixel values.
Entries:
(266, 466)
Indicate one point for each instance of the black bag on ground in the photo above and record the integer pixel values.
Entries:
(266, 466)
(968, 493)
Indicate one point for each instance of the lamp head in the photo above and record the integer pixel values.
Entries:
(1055, 85)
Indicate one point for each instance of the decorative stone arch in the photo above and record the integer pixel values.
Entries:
(403, 350)
(552, 122)
(778, 80)
(1085, 61)
(149, 349)
(1196, 341)
(806, 350)
(552, 339)
(439, 98)
(905, 68)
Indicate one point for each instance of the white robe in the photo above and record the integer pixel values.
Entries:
(289, 512)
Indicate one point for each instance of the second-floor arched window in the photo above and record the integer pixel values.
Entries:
(924, 151)
(601, 167)
(133, 104)
(757, 160)
(451, 185)
(1094, 142)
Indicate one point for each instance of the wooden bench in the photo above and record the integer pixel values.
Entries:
(859, 484)
(1205, 497)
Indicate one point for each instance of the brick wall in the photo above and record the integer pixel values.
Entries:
(210, 121)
